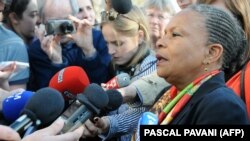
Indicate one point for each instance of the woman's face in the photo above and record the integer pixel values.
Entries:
(185, 3)
(157, 21)
(181, 51)
(86, 11)
(29, 20)
(121, 47)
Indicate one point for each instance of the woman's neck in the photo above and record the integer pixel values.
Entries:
(182, 82)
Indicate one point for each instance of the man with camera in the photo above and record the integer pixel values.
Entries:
(69, 41)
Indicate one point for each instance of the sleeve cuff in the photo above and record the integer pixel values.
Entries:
(112, 128)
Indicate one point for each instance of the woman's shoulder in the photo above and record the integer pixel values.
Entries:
(223, 96)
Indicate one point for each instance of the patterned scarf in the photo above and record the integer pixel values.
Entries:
(172, 101)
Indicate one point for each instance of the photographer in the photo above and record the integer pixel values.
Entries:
(85, 47)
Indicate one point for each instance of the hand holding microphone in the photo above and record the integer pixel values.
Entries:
(87, 105)
(51, 133)
(101, 124)
(8, 134)
(35, 112)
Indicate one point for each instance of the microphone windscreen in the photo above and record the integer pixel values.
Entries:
(123, 80)
(115, 99)
(148, 118)
(46, 104)
(121, 6)
(71, 79)
(119, 81)
(14, 104)
(96, 95)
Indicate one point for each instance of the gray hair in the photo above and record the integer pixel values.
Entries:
(162, 5)
(223, 29)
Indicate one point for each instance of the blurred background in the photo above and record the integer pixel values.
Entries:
(100, 4)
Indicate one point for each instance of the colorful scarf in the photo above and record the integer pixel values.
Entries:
(172, 102)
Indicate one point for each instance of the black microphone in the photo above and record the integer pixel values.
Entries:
(88, 104)
(115, 101)
(40, 111)
(121, 6)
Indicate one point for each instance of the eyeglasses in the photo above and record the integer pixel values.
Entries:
(159, 17)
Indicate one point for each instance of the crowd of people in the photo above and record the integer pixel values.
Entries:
(188, 67)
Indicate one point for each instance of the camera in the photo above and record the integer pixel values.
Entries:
(60, 26)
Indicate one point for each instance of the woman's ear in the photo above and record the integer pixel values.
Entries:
(13, 18)
(141, 36)
(215, 52)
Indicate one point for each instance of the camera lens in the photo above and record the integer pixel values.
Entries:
(67, 28)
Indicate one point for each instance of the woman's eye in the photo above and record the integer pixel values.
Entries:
(174, 34)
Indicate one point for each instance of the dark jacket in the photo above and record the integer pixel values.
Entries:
(213, 103)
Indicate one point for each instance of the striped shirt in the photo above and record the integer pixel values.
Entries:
(123, 122)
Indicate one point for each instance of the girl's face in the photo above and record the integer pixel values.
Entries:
(29, 19)
(122, 48)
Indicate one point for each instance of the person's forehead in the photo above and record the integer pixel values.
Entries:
(187, 19)
(57, 11)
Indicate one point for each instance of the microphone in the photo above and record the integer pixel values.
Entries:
(121, 6)
(41, 110)
(147, 118)
(119, 81)
(88, 104)
(70, 81)
(14, 104)
(115, 101)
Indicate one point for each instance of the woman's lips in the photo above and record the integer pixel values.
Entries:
(160, 59)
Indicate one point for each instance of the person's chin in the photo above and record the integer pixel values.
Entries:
(118, 62)
(160, 72)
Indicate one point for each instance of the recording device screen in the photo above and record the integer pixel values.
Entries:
(74, 116)
(60, 27)
(71, 109)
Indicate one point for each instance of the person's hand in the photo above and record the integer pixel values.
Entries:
(50, 133)
(5, 74)
(100, 126)
(7, 71)
(83, 36)
(8, 134)
(51, 46)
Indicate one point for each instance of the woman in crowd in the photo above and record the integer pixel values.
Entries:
(147, 88)
(201, 97)
(159, 12)
(19, 19)
(129, 44)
